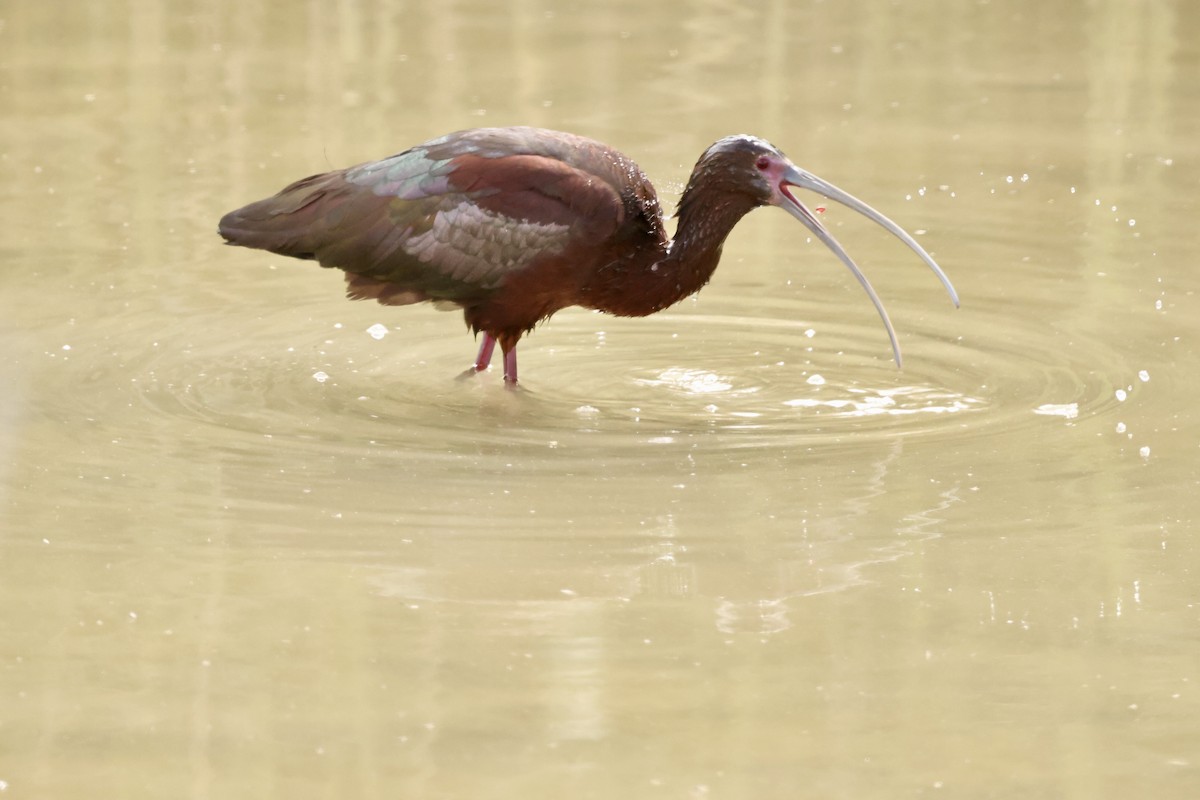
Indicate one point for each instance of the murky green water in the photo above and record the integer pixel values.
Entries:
(247, 549)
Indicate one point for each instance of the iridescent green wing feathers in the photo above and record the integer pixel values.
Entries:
(446, 220)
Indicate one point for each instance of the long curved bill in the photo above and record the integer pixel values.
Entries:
(794, 176)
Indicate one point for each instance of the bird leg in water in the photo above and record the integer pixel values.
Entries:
(484, 358)
(485, 353)
(510, 366)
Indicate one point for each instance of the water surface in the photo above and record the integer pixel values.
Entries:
(258, 541)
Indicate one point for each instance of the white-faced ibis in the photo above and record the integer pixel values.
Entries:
(513, 224)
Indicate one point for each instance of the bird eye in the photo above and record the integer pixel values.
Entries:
(763, 162)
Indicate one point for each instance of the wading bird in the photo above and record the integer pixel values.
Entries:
(513, 224)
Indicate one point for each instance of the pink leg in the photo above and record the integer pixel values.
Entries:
(510, 366)
(485, 353)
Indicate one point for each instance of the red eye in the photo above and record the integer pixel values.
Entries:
(763, 162)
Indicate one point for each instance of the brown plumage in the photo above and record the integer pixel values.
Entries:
(513, 224)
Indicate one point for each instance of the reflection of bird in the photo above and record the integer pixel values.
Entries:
(513, 224)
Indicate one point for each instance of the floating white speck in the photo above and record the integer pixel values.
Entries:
(1144, 451)
(587, 411)
(1064, 410)
(810, 333)
(320, 377)
(1158, 305)
(1121, 395)
(1143, 376)
(1120, 427)
(816, 380)
(377, 331)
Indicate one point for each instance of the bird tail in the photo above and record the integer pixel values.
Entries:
(290, 222)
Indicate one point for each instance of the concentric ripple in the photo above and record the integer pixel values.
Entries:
(741, 375)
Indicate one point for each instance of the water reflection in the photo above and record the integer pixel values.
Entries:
(725, 551)
(811, 551)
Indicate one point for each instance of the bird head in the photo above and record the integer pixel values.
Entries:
(757, 167)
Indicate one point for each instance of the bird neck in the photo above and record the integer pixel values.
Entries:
(706, 216)
(671, 271)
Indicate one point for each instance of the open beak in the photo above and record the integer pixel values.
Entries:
(794, 176)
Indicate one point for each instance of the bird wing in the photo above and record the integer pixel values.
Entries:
(447, 220)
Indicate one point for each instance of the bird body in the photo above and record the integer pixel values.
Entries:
(514, 224)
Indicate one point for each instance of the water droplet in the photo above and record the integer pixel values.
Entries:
(1144, 451)
(816, 380)
(377, 331)
(320, 377)
(1143, 375)
(1121, 395)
